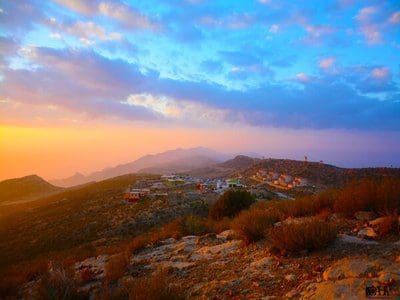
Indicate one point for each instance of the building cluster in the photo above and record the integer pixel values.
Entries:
(167, 184)
(280, 180)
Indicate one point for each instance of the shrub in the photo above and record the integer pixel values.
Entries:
(251, 224)
(309, 235)
(116, 267)
(230, 204)
(58, 283)
(192, 225)
(218, 226)
(388, 225)
(380, 196)
(155, 287)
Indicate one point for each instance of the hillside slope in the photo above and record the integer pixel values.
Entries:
(178, 160)
(25, 189)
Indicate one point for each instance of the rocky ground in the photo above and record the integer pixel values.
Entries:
(221, 267)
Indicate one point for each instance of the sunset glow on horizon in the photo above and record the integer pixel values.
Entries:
(86, 85)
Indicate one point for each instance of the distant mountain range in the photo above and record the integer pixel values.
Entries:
(172, 161)
(25, 189)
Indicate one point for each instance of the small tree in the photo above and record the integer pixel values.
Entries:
(230, 203)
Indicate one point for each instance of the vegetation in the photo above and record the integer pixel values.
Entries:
(312, 234)
(155, 287)
(25, 189)
(251, 224)
(230, 203)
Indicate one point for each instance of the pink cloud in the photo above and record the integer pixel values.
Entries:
(365, 14)
(395, 18)
(380, 74)
(326, 62)
(302, 77)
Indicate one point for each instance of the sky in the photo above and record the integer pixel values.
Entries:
(86, 84)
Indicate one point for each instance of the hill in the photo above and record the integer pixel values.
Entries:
(320, 174)
(231, 167)
(25, 189)
(172, 161)
(79, 220)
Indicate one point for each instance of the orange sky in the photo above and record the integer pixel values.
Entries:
(60, 152)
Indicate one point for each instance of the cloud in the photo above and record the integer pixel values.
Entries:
(380, 73)
(395, 18)
(302, 77)
(83, 81)
(274, 28)
(326, 62)
(366, 13)
(115, 10)
(126, 16)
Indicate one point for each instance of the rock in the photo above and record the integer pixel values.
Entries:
(262, 263)
(364, 215)
(348, 239)
(168, 241)
(335, 217)
(349, 288)
(353, 267)
(290, 277)
(208, 238)
(173, 264)
(227, 235)
(221, 249)
(376, 222)
(367, 232)
(94, 265)
(292, 294)
(390, 274)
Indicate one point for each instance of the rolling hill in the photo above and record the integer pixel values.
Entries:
(25, 189)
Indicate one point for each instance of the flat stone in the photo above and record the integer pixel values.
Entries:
(227, 234)
(221, 249)
(367, 232)
(348, 239)
(349, 288)
(353, 267)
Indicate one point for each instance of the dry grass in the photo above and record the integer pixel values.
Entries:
(251, 224)
(116, 267)
(309, 235)
(380, 196)
(389, 225)
(58, 283)
(155, 287)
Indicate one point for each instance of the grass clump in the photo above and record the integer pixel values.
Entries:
(309, 235)
(230, 203)
(155, 287)
(251, 224)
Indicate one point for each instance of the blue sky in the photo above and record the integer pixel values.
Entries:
(306, 65)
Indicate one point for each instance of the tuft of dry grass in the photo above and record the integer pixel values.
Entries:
(251, 224)
(312, 234)
(155, 287)
(388, 225)
(116, 267)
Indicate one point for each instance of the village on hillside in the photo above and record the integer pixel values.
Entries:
(263, 185)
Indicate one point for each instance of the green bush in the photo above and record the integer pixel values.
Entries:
(230, 204)
(312, 234)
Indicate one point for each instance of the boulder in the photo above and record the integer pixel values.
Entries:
(348, 239)
(353, 267)
(367, 232)
(349, 288)
(227, 235)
